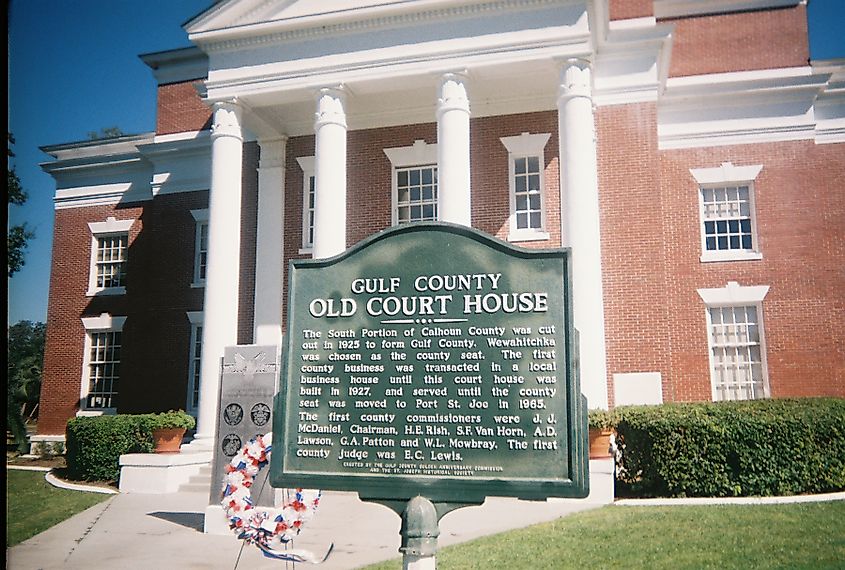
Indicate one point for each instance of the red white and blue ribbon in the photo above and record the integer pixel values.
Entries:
(267, 528)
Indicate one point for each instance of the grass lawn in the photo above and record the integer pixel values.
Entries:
(33, 505)
(809, 535)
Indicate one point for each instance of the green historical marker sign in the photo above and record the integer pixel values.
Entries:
(432, 360)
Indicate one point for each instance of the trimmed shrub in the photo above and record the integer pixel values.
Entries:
(601, 419)
(95, 444)
(725, 449)
(166, 420)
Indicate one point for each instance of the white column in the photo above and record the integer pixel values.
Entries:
(269, 269)
(580, 216)
(453, 166)
(330, 174)
(220, 306)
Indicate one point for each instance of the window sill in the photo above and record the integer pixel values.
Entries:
(711, 256)
(96, 412)
(528, 236)
(306, 251)
(106, 291)
(198, 285)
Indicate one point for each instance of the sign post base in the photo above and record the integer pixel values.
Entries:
(420, 528)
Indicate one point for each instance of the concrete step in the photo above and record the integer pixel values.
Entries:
(195, 488)
(199, 482)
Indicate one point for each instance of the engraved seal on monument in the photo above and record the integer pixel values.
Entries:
(233, 414)
(260, 414)
(231, 445)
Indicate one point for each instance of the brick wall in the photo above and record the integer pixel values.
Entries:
(156, 335)
(800, 213)
(249, 234)
(740, 41)
(181, 109)
(158, 294)
(625, 9)
(633, 245)
(369, 193)
(67, 303)
(655, 320)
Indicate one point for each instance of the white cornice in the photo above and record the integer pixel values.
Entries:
(130, 169)
(227, 36)
(631, 59)
(181, 162)
(174, 66)
(681, 8)
(741, 108)
(830, 104)
(97, 148)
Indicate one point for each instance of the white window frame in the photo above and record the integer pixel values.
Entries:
(735, 295)
(306, 163)
(527, 146)
(200, 221)
(109, 228)
(105, 323)
(726, 176)
(196, 318)
(420, 154)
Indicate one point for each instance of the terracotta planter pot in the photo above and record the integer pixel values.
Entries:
(600, 443)
(168, 440)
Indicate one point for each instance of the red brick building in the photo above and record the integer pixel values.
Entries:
(689, 153)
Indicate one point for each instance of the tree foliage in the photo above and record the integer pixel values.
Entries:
(18, 235)
(25, 356)
(105, 133)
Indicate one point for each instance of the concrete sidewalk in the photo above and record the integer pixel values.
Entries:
(130, 531)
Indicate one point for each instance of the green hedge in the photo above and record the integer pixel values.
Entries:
(755, 448)
(95, 444)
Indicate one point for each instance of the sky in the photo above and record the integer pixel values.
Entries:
(74, 68)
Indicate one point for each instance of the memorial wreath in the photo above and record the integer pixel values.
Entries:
(267, 528)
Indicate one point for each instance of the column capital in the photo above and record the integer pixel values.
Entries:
(331, 107)
(227, 117)
(452, 92)
(575, 78)
(272, 152)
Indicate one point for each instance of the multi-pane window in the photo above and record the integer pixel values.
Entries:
(110, 261)
(726, 214)
(109, 253)
(200, 246)
(309, 202)
(308, 209)
(726, 196)
(416, 194)
(103, 370)
(527, 193)
(194, 368)
(526, 165)
(736, 353)
(201, 252)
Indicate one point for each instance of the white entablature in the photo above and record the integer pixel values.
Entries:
(388, 56)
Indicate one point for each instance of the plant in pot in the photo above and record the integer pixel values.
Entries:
(168, 428)
(601, 424)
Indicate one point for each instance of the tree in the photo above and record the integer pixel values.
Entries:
(26, 354)
(105, 133)
(19, 235)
